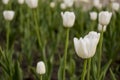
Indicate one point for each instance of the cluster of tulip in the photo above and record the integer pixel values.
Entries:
(85, 47)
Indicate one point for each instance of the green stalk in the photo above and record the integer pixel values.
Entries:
(92, 25)
(7, 35)
(65, 52)
(84, 70)
(100, 53)
(40, 77)
(89, 68)
(37, 29)
(21, 18)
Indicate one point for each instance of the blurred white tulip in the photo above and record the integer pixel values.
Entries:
(32, 3)
(93, 15)
(63, 6)
(112, 0)
(86, 1)
(97, 4)
(104, 17)
(8, 15)
(69, 3)
(40, 69)
(115, 6)
(68, 18)
(5, 1)
(52, 4)
(101, 28)
(21, 1)
(86, 47)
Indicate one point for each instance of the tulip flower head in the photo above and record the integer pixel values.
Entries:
(8, 15)
(112, 0)
(32, 3)
(52, 4)
(40, 69)
(85, 1)
(105, 17)
(93, 15)
(5, 2)
(115, 6)
(69, 3)
(101, 28)
(97, 4)
(68, 18)
(63, 6)
(86, 47)
(21, 1)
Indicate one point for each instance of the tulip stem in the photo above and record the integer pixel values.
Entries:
(21, 19)
(84, 70)
(40, 77)
(89, 68)
(65, 52)
(37, 29)
(92, 26)
(100, 53)
(7, 34)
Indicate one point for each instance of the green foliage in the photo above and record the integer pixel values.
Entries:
(25, 49)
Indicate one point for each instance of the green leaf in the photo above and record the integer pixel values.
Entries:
(112, 74)
(71, 67)
(4, 67)
(18, 72)
(74, 77)
(34, 73)
(60, 71)
(94, 69)
(104, 70)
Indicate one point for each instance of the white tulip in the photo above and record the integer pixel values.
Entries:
(86, 1)
(40, 69)
(69, 3)
(100, 28)
(52, 4)
(68, 18)
(86, 47)
(8, 15)
(63, 6)
(105, 17)
(112, 0)
(5, 1)
(97, 4)
(32, 3)
(115, 6)
(21, 1)
(93, 15)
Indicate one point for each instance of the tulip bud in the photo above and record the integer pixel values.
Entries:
(63, 6)
(32, 3)
(105, 17)
(86, 47)
(20, 1)
(40, 69)
(5, 1)
(115, 6)
(68, 18)
(8, 15)
(93, 15)
(52, 4)
(101, 28)
(69, 3)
